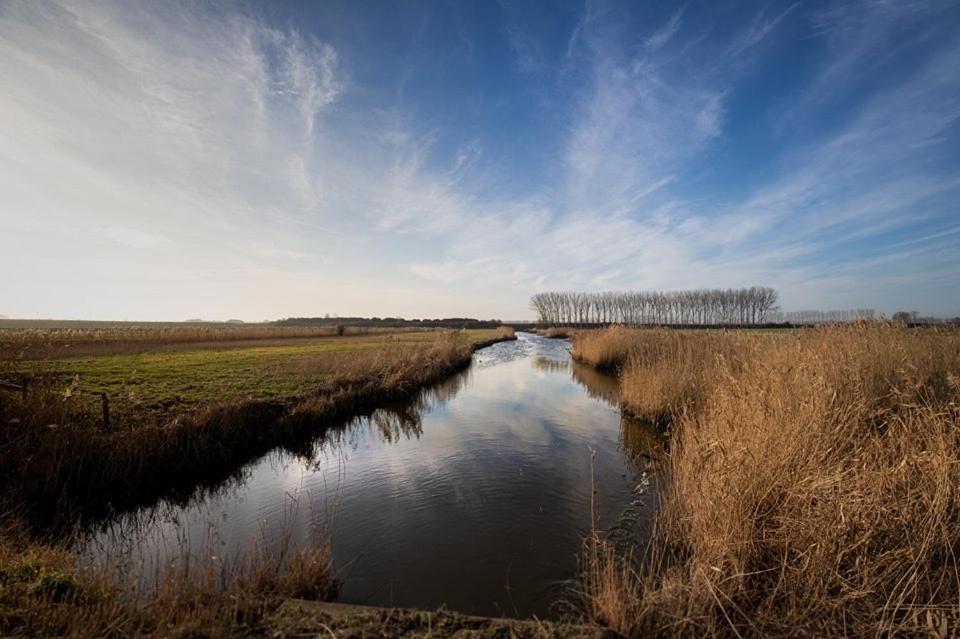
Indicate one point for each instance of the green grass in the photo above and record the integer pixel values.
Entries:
(182, 378)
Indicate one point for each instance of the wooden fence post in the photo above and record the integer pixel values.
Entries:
(15, 387)
(105, 402)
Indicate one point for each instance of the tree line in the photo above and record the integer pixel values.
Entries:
(390, 322)
(824, 317)
(703, 306)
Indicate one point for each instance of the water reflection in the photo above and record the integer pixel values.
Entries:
(640, 438)
(392, 422)
(598, 384)
(474, 495)
(549, 364)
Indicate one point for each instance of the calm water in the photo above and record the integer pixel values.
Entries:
(475, 496)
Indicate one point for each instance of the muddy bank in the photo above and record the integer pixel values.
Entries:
(296, 618)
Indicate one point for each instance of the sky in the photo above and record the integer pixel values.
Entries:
(214, 159)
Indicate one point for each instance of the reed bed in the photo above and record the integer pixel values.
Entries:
(607, 348)
(813, 487)
(668, 372)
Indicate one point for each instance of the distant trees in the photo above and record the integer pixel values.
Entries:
(390, 322)
(905, 317)
(703, 306)
(823, 317)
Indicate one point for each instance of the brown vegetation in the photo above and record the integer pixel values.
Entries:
(45, 593)
(35, 342)
(667, 372)
(503, 333)
(606, 348)
(344, 621)
(813, 485)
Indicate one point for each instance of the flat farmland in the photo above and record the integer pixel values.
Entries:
(167, 372)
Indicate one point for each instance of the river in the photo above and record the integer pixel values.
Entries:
(475, 496)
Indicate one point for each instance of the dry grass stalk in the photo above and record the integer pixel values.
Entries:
(667, 372)
(607, 348)
(45, 592)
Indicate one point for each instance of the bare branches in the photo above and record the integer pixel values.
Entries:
(752, 305)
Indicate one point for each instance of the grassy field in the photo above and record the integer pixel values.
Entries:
(812, 485)
(164, 372)
(38, 340)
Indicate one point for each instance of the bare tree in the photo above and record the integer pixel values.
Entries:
(752, 305)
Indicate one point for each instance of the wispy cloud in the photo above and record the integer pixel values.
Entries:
(525, 42)
(133, 123)
(665, 33)
(761, 26)
(246, 168)
(640, 127)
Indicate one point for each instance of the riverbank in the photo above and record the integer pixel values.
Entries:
(296, 618)
(44, 596)
(474, 497)
(812, 486)
(45, 593)
(174, 419)
(63, 464)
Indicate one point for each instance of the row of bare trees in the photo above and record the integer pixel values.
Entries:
(703, 306)
(824, 317)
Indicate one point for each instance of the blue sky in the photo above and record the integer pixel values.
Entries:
(166, 160)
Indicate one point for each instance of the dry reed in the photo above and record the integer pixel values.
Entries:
(667, 372)
(606, 348)
(812, 488)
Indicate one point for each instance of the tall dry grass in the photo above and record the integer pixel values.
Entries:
(667, 372)
(46, 592)
(662, 372)
(814, 488)
(607, 348)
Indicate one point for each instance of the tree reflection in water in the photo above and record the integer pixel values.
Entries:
(392, 422)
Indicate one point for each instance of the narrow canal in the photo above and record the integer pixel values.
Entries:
(476, 496)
